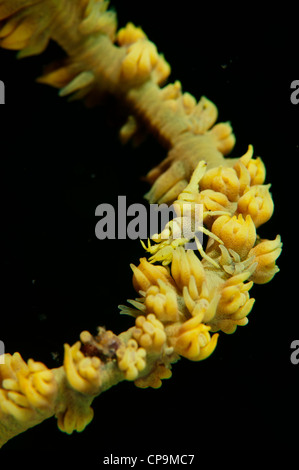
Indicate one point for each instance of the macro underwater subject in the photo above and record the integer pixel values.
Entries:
(186, 299)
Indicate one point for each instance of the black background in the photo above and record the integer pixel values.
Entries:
(60, 160)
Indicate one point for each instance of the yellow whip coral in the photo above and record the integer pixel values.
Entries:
(186, 298)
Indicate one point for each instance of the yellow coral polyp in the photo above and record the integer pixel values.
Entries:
(202, 115)
(215, 201)
(234, 304)
(233, 298)
(181, 304)
(131, 359)
(74, 418)
(154, 378)
(225, 139)
(129, 34)
(162, 301)
(97, 19)
(237, 233)
(38, 384)
(140, 60)
(25, 388)
(83, 373)
(222, 180)
(176, 233)
(184, 265)
(149, 333)
(16, 35)
(147, 274)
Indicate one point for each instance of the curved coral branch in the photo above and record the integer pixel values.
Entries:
(185, 297)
